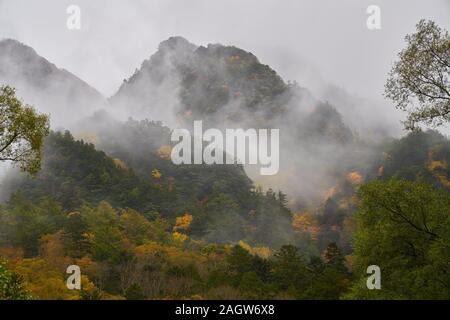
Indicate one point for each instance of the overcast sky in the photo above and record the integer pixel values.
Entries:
(327, 36)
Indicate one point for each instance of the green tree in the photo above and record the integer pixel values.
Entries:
(419, 82)
(334, 257)
(23, 222)
(404, 228)
(12, 286)
(134, 292)
(290, 270)
(22, 131)
(107, 241)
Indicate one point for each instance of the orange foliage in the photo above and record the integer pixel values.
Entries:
(354, 178)
(306, 222)
(183, 222)
(52, 250)
(330, 193)
(11, 254)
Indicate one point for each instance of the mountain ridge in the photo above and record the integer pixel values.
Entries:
(41, 83)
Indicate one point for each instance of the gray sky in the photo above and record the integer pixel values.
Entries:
(329, 37)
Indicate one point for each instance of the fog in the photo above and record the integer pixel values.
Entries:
(326, 39)
(323, 45)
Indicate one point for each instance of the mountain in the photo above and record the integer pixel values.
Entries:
(40, 83)
(152, 91)
(225, 86)
(222, 85)
(228, 87)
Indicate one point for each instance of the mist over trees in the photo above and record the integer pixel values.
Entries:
(106, 196)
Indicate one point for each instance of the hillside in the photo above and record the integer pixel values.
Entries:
(221, 199)
(228, 87)
(42, 84)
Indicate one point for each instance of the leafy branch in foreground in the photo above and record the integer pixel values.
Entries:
(419, 83)
(22, 132)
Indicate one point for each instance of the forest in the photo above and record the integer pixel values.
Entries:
(106, 196)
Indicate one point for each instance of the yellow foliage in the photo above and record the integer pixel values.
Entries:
(120, 164)
(179, 237)
(263, 252)
(156, 174)
(183, 222)
(301, 221)
(434, 165)
(87, 285)
(164, 152)
(173, 254)
(45, 282)
(147, 249)
(443, 179)
(245, 245)
(306, 222)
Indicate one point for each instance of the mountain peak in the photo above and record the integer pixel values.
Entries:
(176, 43)
(201, 81)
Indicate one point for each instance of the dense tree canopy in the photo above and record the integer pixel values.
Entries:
(404, 228)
